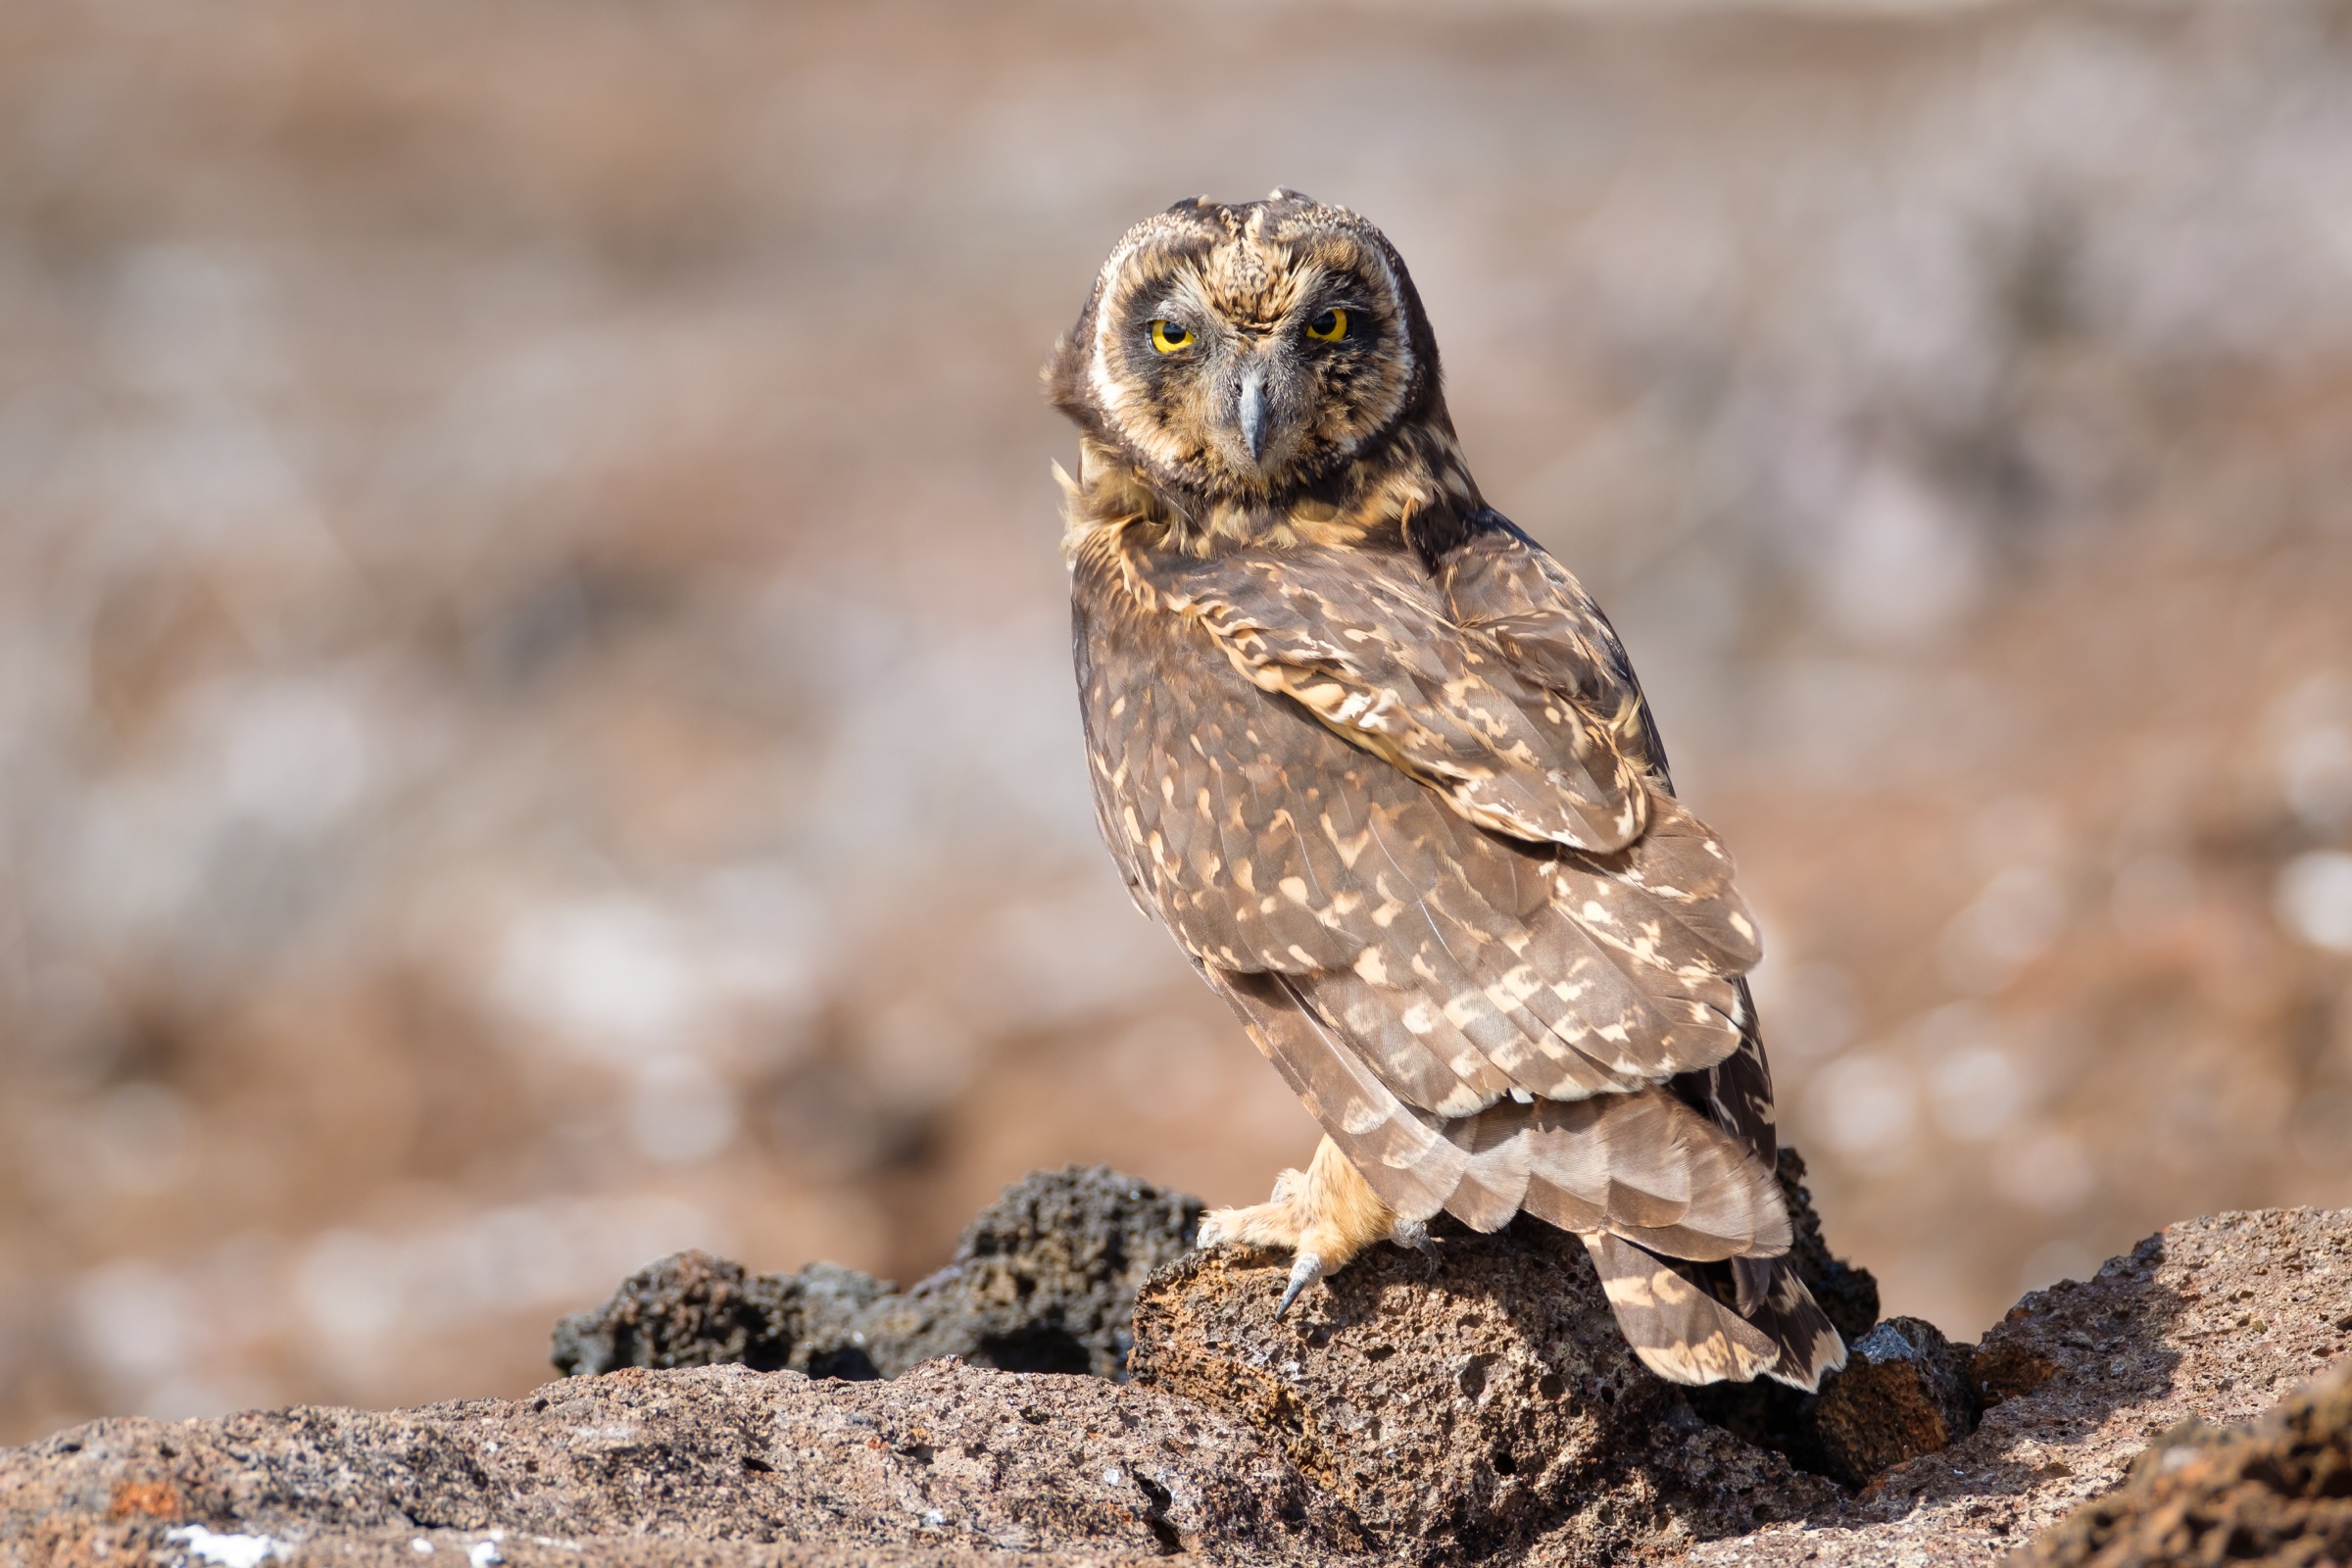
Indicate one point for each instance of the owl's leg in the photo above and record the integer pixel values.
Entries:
(1323, 1215)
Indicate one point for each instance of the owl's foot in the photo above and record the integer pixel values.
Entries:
(1323, 1215)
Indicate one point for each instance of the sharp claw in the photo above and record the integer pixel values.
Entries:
(1307, 1270)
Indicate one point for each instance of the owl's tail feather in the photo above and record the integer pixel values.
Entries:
(1683, 1334)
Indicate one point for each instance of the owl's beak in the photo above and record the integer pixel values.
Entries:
(1251, 409)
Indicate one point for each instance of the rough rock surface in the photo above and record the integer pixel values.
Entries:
(1463, 1406)
(1907, 1391)
(2215, 1318)
(1042, 1280)
(709, 1465)
(1483, 1412)
(2279, 1492)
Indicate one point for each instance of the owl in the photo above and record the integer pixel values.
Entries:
(1382, 767)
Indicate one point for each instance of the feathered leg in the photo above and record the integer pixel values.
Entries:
(1323, 1215)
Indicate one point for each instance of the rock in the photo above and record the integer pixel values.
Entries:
(1905, 1392)
(1463, 1406)
(689, 1309)
(1042, 1280)
(2279, 1492)
(1477, 1406)
(713, 1465)
(2214, 1317)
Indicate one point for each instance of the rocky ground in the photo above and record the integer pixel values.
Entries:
(1480, 1408)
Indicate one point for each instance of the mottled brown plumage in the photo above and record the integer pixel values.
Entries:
(1382, 767)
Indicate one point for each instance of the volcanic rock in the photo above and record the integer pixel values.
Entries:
(1462, 1405)
(1476, 1405)
(1905, 1392)
(2278, 1493)
(705, 1465)
(1042, 1280)
(2215, 1318)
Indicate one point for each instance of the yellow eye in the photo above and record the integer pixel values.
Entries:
(1329, 327)
(1169, 336)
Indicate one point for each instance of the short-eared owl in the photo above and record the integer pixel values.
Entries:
(1383, 769)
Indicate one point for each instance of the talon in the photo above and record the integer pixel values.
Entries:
(1414, 1234)
(1307, 1270)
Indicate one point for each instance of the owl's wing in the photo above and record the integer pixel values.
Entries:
(1502, 586)
(1362, 640)
(1461, 962)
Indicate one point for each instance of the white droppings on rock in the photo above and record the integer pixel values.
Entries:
(226, 1551)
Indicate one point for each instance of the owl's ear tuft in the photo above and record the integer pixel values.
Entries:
(1283, 193)
(1190, 204)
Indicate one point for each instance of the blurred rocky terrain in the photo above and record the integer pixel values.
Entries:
(535, 727)
(1480, 1410)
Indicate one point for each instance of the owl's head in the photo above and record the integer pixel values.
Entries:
(1242, 354)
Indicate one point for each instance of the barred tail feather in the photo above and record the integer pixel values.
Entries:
(1684, 1334)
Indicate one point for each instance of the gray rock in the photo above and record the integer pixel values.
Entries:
(716, 1465)
(1477, 1408)
(2277, 1491)
(2215, 1318)
(1042, 1280)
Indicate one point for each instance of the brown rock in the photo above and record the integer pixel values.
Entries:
(715, 1465)
(1478, 1406)
(1462, 1405)
(1904, 1393)
(2279, 1492)
(2214, 1317)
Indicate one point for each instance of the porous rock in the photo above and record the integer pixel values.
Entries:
(715, 1465)
(2215, 1317)
(1474, 1406)
(1042, 1280)
(1905, 1392)
(2278, 1493)
(1464, 1404)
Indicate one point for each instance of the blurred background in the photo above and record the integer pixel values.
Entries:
(535, 716)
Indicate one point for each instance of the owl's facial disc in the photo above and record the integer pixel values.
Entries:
(1243, 393)
(1241, 353)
